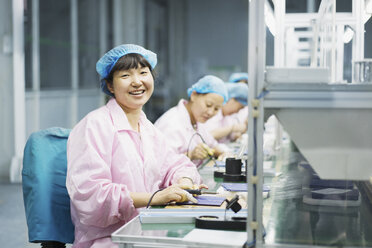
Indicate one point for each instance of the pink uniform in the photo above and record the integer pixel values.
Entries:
(219, 121)
(106, 161)
(177, 127)
(242, 115)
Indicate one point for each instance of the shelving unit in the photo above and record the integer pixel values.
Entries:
(327, 121)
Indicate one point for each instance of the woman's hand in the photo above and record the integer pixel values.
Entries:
(172, 193)
(188, 183)
(200, 152)
(239, 128)
(235, 136)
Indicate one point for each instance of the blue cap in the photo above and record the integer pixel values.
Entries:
(239, 92)
(237, 76)
(209, 84)
(106, 63)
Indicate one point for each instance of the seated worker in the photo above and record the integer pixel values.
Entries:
(181, 124)
(117, 161)
(227, 125)
(239, 77)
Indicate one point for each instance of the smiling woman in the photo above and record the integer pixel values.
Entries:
(131, 82)
(117, 161)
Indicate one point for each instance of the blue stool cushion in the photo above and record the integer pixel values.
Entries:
(45, 196)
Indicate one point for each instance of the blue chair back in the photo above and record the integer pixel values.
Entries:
(45, 196)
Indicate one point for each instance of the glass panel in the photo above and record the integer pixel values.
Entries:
(55, 44)
(348, 61)
(344, 6)
(157, 40)
(28, 43)
(88, 26)
(309, 210)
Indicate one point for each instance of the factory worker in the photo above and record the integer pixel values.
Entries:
(239, 77)
(181, 124)
(227, 125)
(117, 160)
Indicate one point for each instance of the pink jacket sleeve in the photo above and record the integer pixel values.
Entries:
(96, 199)
(176, 165)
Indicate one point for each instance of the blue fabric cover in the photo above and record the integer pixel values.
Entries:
(45, 196)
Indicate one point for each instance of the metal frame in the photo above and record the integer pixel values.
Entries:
(169, 216)
(36, 62)
(353, 19)
(318, 96)
(18, 90)
(256, 55)
(74, 62)
(284, 97)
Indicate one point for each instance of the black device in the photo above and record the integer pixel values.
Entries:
(218, 223)
(194, 191)
(233, 171)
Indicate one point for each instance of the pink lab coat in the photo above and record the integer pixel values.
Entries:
(242, 114)
(219, 121)
(177, 127)
(106, 161)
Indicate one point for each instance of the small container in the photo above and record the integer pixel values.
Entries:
(233, 166)
(363, 71)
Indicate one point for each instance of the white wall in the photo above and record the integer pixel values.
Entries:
(6, 92)
(54, 105)
(55, 108)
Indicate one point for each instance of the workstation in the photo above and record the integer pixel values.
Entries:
(300, 175)
(320, 194)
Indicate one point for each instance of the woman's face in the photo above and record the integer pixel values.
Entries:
(132, 88)
(232, 106)
(205, 106)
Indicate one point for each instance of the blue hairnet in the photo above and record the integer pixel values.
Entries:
(239, 92)
(106, 63)
(237, 76)
(209, 84)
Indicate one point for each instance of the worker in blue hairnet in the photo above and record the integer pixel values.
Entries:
(117, 161)
(228, 125)
(239, 77)
(182, 123)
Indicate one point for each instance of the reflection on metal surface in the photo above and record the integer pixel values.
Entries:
(363, 71)
(293, 223)
(329, 124)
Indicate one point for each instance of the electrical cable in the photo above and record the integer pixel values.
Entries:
(263, 93)
(152, 196)
(203, 140)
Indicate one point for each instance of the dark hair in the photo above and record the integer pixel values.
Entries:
(129, 61)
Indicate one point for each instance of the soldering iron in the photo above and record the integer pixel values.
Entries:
(194, 191)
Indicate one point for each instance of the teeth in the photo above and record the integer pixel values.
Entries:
(138, 92)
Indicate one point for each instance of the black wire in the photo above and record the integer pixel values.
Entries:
(188, 147)
(203, 140)
(263, 93)
(152, 196)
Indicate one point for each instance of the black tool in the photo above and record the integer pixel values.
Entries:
(233, 204)
(218, 223)
(194, 191)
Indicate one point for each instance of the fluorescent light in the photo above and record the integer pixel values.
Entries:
(348, 34)
(368, 6)
(270, 19)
